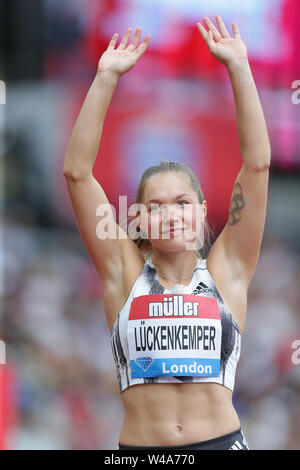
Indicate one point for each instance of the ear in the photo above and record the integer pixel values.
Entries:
(204, 208)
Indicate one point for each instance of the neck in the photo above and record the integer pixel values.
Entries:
(175, 266)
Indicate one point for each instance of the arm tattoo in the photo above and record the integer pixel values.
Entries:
(236, 204)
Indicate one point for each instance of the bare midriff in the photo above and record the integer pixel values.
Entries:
(176, 414)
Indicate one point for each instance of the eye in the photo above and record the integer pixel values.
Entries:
(186, 202)
(154, 207)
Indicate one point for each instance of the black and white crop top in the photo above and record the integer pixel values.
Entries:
(184, 334)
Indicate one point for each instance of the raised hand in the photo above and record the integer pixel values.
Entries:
(120, 60)
(221, 45)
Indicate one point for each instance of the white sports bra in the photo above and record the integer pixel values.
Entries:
(184, 334)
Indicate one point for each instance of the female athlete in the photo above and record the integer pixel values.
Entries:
(176, 318)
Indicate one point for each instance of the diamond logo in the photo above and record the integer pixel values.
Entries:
(144, 362)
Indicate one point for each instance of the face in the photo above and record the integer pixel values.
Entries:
(171, 214)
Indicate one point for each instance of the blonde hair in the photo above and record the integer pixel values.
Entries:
(166, 166)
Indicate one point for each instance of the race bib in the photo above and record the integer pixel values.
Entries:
(174, 334)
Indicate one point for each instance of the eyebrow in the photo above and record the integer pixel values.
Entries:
(177, 197)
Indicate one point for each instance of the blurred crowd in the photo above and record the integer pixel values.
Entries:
(53, 323)
(57, 341)
(268, 376)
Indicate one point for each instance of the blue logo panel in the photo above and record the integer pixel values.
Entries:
(148, 367)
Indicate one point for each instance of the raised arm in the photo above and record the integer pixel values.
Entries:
(85, 192)
(239, 242)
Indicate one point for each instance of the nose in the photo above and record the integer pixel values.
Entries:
(170, 216)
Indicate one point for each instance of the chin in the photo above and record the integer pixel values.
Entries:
(172, 244)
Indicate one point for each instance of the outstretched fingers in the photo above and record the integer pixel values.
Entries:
(143, 46)
(207, 36)
(113, 41)
(216, 35)
(132, 46)
(235, 31)
(125, 38)
(135, 40)
(222, 27)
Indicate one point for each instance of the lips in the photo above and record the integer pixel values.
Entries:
(173, 230)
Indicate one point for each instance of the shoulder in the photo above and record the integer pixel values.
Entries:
(118, 288)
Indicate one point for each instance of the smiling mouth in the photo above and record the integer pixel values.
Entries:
(173, 230)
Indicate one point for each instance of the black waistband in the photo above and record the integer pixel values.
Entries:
(222, 442)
